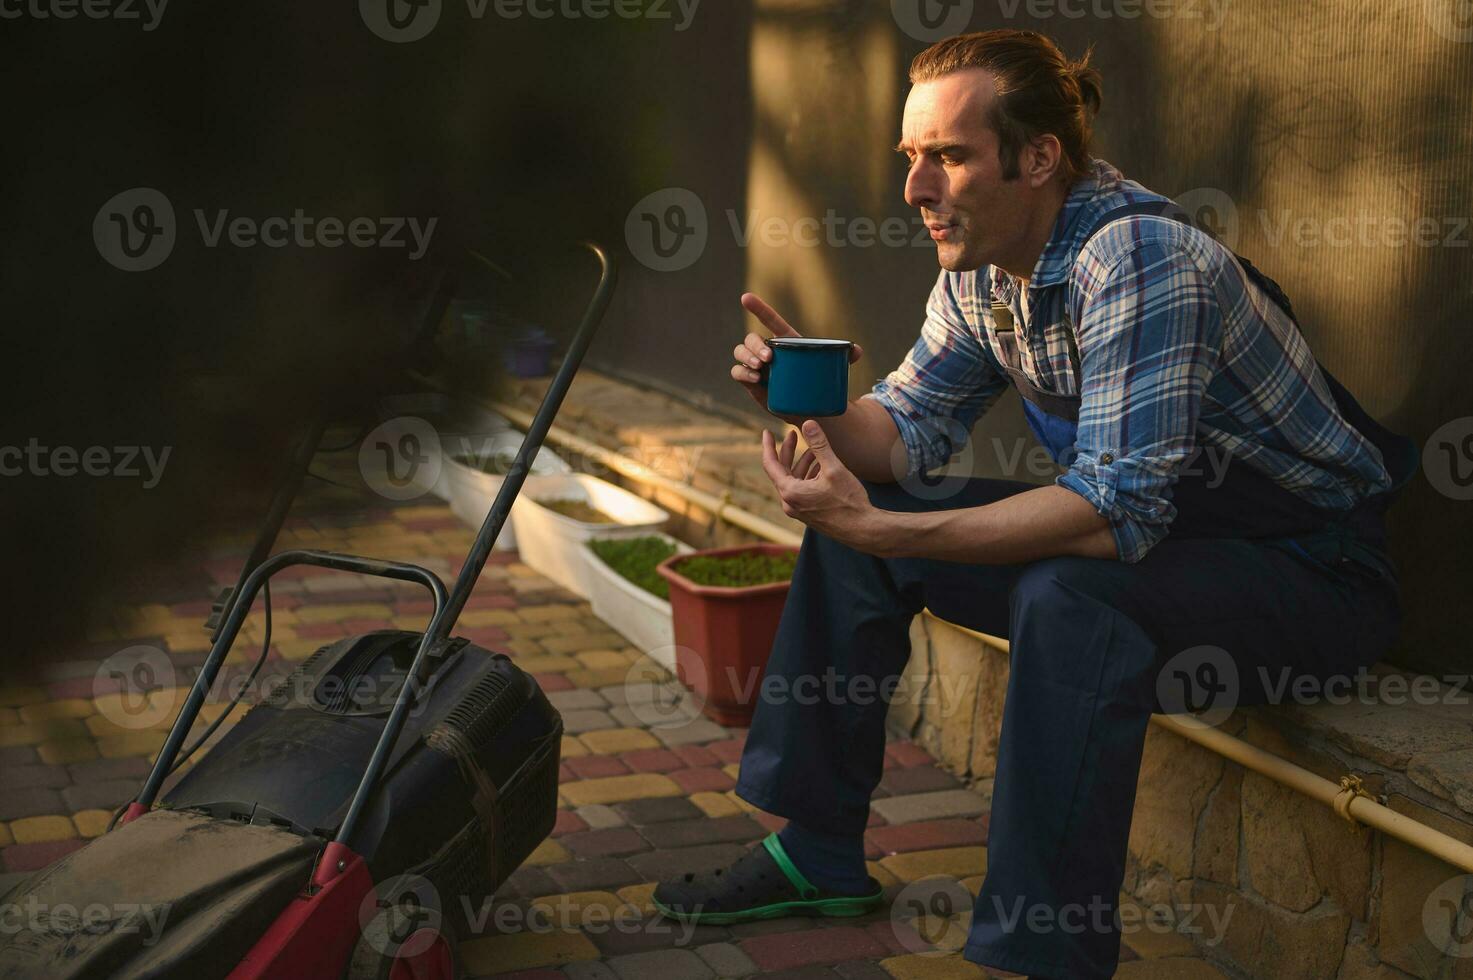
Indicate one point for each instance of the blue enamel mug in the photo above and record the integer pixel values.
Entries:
(807, 376)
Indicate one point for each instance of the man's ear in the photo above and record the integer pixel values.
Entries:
(1043, 159)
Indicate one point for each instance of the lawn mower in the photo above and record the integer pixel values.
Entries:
(350, 822)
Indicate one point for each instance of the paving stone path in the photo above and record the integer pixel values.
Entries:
(640, 798)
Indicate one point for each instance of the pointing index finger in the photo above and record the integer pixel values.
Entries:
(768, 317)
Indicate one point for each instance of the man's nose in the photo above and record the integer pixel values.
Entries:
(923, 185)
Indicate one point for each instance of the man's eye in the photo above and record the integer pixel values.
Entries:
(949, 160)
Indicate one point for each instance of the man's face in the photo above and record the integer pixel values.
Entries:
(975, 216)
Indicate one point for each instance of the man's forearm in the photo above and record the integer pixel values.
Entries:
(864, 438)
(1042, 523)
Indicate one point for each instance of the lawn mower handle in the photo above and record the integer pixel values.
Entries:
(225, 638)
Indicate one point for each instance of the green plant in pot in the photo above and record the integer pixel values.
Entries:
(726, 604)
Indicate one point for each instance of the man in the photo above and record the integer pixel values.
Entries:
(1139, 345)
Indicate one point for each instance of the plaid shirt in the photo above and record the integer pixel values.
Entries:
(1178, 352)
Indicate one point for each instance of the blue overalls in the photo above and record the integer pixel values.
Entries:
(1247, 568)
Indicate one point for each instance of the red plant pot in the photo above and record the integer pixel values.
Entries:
(723, 634)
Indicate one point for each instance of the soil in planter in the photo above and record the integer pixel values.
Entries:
(635, 559)
(578, 510)
(737, 571)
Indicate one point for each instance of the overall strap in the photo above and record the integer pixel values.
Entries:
(1398, 453)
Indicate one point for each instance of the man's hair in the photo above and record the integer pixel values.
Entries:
(1038, 91)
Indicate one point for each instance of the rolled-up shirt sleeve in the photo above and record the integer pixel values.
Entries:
(946, 381)
(1149, 341)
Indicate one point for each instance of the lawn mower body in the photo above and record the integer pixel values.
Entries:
(349, 824)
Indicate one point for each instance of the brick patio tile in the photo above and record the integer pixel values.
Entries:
(78, 687)
(583, 677)
(957, 862)
(486, 617)
(715, 804)
(547, 664)
(619, 740)
(572, 747)
(786, 951)
(916, 966)
(529, 883)
(689, 833)
(692, 732)
(322, 631)
(653, 760)
(597, 766)
(662, 964)
(64, 751)
(930, 806)
(552, 611)
(91, 823)
(525, 951)
(600, 816)
(603, 660)
(34, 733)
(490, 637)
(639, 896)
(697, 756)
(769, 927)
(32, 802)
(67, 708)
(552, 682)
(880, 874)
(726, 959)
(861, 970)
(618, 789)
(39, 830)
(134, 743)
(25, 777)
(565, 773)
(586, 970)
(575, 700)
(909, 754)
(895, 945)
(16, 697)
(5, 840)
(579, 642)
(106, 795)
(728, 751)
(32, 857)
(548, 852)
(613, 842)
(918, 779)
(593, 874)
(490, 600)
(706, 780)
(568, 822)
(802, 973)
(662, 864)
(926, 835)
(18, 755)
(658, 809)
(770, 822)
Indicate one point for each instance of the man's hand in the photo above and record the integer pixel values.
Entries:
(818, 490)
(753, 352)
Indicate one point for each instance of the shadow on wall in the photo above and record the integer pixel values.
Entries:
(253, 125)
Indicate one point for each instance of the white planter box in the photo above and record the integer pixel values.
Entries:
(553, 544)
(642, 617)
(472, 491)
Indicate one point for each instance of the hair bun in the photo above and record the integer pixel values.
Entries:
(1087, 77)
